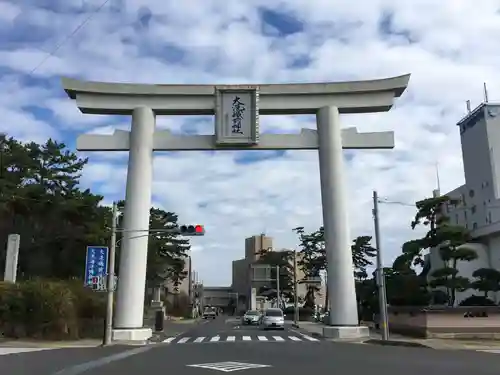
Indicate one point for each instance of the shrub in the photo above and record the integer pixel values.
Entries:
(305, 313)
(477, 301)
(55, 310)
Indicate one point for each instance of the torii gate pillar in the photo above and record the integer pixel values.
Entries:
(237, 109)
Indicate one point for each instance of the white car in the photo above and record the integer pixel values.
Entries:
(209, 313)
(250, 317)
(272, 319)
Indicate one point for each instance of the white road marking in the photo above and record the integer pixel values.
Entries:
(278, 338)
(309, 338)
(200, 339)
(262, 338)
(183, 340)
(294, 338)
(231, 338)
(215, 339)
(169, 340)
(228, 366)
(247, 338)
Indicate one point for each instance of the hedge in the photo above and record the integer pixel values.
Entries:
(50, 310)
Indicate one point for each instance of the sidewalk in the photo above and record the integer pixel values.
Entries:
(172, 327)
(26, 343)
(316, 330)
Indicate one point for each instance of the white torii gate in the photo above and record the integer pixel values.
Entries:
(236, 109)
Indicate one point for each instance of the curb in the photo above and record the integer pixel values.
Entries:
(408, 344)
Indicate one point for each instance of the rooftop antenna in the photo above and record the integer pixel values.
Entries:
(485, 90)
(467, 103)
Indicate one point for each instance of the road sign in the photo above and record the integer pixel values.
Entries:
(96, 263)
(100, 283)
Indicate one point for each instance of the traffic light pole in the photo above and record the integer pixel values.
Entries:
(295, 291)
(278, 299)
(108, 332)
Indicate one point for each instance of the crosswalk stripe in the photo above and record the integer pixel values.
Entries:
(202, 339)
(309, 338)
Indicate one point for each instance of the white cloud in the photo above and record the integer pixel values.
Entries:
(208, 41)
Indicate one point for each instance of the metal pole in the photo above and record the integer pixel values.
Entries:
(278, 286)
(382, 298)
(111, 279)
(295, 291)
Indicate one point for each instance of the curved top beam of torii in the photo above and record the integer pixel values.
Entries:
(274, 99)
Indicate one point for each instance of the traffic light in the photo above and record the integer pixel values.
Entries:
(192, 230)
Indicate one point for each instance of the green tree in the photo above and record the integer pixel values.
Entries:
(430, 215)
(313, 257)
(282, 260)
(404, 287)
(453, 249)
(362, 252)
(486, 280)
(312, 260)
(41, 201)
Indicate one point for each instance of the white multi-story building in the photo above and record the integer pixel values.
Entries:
(479, 210)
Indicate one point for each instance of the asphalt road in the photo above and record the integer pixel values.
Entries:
(230, 330)
(255, 356)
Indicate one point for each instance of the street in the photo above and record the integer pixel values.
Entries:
(199, 354)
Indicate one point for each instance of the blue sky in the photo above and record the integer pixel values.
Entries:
(212, 41)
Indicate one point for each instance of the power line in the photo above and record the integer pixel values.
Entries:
(68, 37)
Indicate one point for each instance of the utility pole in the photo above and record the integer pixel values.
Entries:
(295, 290)
(111, 280)
(382, 298)
(278, 286)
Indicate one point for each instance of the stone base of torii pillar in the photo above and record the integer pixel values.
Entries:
(325, 100)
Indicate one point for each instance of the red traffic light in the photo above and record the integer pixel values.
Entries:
(192, 230)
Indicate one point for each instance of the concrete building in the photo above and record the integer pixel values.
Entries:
(479, 210)
(242, 274)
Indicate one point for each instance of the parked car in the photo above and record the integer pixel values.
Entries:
(251, 317)
(209, 313)
(272, 319)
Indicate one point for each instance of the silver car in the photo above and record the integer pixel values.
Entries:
(272, 319)
(251, 317)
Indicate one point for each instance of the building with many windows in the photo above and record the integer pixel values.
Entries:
(479, 210)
